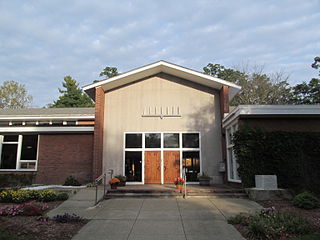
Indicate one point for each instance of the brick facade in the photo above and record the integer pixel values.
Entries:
(63, 155)
(224, 108)
(98, 133)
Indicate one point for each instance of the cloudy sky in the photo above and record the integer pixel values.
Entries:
(42, 41)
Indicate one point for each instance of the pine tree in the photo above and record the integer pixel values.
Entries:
(73, 96)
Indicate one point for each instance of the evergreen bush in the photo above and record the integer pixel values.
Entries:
(293, 156)
(71, 181)
(306, 200)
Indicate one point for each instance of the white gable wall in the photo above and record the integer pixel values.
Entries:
(199, 108)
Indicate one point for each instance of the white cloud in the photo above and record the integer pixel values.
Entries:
(42, 41)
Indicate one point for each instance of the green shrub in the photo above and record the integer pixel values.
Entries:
(71, 181)
(62, 196)
(47, 196)
(258, 229)
(239, 219)
(306, 200)
(21, 196)
(270, 224)
(6, 196)
(292, 156)
(18, 196)
(121, 178)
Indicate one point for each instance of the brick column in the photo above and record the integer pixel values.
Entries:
(98, 134)
(224, 108)
(224, 100)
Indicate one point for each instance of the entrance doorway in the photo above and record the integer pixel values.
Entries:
(159, 157)
(152, 167)
(171, 165)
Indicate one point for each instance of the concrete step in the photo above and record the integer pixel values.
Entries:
(191, 191)
(172, 195)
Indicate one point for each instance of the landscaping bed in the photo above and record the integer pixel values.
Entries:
(28, 220)
(312, 215)
(279, 220)
(29, 227)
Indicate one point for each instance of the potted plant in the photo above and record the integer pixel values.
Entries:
(122, 180)
(179, 183)
(204, 179)
(114, 182)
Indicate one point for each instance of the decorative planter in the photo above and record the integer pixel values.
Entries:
(113, 186)
(179, 187)
(204, 182)
(121, 184)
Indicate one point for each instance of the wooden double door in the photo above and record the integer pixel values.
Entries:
(152, 166)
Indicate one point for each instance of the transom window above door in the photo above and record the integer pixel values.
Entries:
(133, 140)
(153, 140)
(162, 140)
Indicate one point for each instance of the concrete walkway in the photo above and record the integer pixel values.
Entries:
(81, 204)
(154, 218)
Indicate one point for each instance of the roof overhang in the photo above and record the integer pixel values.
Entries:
(69, 129)
(34, 118)
(267, 111)
(165, 67)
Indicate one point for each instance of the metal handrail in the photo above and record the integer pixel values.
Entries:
(184, 176)
(98, 179)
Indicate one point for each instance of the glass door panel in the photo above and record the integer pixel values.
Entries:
(133, 166)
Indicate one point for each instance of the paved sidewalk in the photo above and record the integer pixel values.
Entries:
(81, 204)
(154, 218)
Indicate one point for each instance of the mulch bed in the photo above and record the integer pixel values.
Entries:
(312, 215)
(29, 226)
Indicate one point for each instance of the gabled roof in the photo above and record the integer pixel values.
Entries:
(166, 67)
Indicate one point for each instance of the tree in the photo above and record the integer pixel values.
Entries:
(108, 72)
(228, 74)
(14, 95)
(72, 96)
(308, 93)
(257, 87)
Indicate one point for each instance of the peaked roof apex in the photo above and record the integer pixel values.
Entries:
(166, 67)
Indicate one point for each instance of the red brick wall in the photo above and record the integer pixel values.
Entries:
(224, 108)
(63, 155)
(98, 133)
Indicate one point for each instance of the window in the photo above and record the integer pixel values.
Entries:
(231, 158)
(171, 140)
(133, 140)
(190, 140)
(153, 140)
(10, 138)
(9, 156)
(18, 152)
(29, 147)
